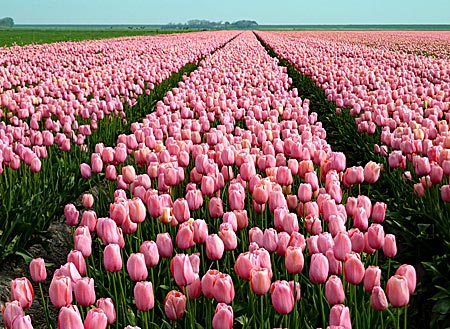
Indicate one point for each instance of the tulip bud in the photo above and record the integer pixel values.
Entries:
(136, 267)
(151, 254)
(37, 270)
(112, 260)
(214, 247)
(143, 296)
(174, 305)
(409, 272)
(318, 268)
(260, 280)
(96, 319)
(22, 291)
(282, 297)
(397, 290)
(378, 300)
(223, 288)
(294, 260)
(223, 317)
(334, 290)
(390, 245)
(60, 291)
(353, 269)
(164, 244)
(107, 305)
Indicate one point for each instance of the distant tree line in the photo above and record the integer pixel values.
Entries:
(202, 24)
(6, 22)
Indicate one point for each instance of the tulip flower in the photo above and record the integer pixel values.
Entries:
(10, 311)
(282, 297)
(22, 291)
(223, 317)
(107, 305)
(85, 292)
(318, 268)
(112, 260)
(334, 290)
(174, 305)
(397, 290)
(378, 300)
(37, 270)
(260, 280)
(143, 295)
(223, 289)
(214, 247)
(96, 319)
(60, 291)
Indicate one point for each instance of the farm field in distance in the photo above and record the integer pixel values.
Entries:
(219, 179)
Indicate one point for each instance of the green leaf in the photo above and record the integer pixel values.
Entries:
(442, 306)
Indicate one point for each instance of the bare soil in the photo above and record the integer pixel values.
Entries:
(56, 255)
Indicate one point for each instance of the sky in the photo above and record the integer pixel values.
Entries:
(265, 12)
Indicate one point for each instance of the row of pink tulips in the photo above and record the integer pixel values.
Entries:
(406, 95)
(234, 146)
(56, 93)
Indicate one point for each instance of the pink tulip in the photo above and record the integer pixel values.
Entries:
(372, 277)
(164, 244)
(85, 292)
(260, 280)
(182, 270)
(136, 267)
(10, 311)
(214, 247)
(128, 174)
(22, 291)
(390, 245)
(96, 319)
(71, 214)
(85, 170)
(340, 316)
(143, 295)
(334, 290)
(185, 236)
(207, 283)
(282, 297)
(223, 289)
(353, 269)
(375, 236)
(60, 291)
(22, 322)
(37, 270)
(107, 305)
(174, 305)
(112, 259)
(150, 251)
(378, 300)
(223, 317)
(294, 260)
(318, 268)
(409, 272)
(372, 172)
(76, 257)
(397, 290)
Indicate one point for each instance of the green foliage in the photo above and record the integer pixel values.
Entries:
(6, 22)
(421, 225)
(30, 201)
(23, 36)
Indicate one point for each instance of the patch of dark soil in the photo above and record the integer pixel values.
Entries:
(55, 254)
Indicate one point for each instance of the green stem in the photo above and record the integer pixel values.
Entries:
(262, 312)
(405, 318)
(44, 305)
(322, 308)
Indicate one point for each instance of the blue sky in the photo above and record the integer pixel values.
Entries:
(263, 11)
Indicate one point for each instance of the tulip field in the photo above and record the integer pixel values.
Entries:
(229, 180)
